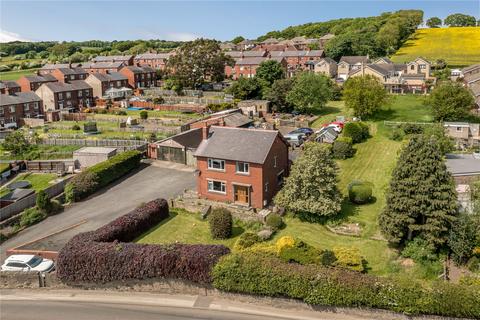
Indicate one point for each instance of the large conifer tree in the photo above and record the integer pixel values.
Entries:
(422, 199)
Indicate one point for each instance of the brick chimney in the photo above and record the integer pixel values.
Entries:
(205, 131)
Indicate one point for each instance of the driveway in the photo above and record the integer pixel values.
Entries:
(159, 180)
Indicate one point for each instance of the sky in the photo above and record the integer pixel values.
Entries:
(80, 20)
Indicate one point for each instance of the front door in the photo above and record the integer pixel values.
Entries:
(241, 195)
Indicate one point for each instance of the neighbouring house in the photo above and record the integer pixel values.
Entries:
(154, 60)
(20, 105)
(246, 54)
(65, 97)
(247, 67)
(470, 70)
(245, 45)
(89, 156)
(50, 67)
(140, 77)
(464, 134)
(471, 78)
(102, 82)
(270, 41)
(297, 60)
(9, 87)
(348, 64)
(325, 38)
(326, 66)
(229, 118)
(103, 67)
(275, 47)
(33, 82)
(255, 108)
(66, 75)
(465, 169)
(127, 60)
(227, 46)
(242, 166)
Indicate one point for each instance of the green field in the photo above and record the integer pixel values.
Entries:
(39, 181)
(458, 46)
(15, 75)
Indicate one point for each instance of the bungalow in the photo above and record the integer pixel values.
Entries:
(140, 77)
(9, 87)
(242, 166)
(100, 84)
(33, 82)
(348, 64)
(20, 105)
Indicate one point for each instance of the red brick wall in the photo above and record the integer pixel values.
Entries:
(20, 112)
(280, 151)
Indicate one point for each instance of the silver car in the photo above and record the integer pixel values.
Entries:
(27, 263)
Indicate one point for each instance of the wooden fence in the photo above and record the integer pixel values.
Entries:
(121, 145)
(399, 123)
(30, 200)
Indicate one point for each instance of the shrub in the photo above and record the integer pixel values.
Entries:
(121, 113)
(274, 221)
(43, 201)
(31, 216)
(349, 258)
(220, 221)
(360, 192)
(76, 127)
(103, 255)
(343, 148)
(284, 242)
(317, 285)
(265, 234)
(419, 250)
(327, 257)
(101, 174)
(473, 264)
(301, 253)
(412, 128)
(396, 134)
(358, 131)
(246, 240)
(143, 114)
(90, 127)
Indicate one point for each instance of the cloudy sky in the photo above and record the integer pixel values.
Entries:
(187, 20)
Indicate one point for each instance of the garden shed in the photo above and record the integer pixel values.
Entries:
(89, 156)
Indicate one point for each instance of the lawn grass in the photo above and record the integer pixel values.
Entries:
(163, 114)
(459, 46)
(15, 75)
(39, 181)
(42, 151)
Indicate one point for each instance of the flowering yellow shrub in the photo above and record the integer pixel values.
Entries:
(349, 258)
(476, 251)
(284, 242)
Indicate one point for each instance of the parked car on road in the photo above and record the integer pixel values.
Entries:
(295, 139)
(27, 263)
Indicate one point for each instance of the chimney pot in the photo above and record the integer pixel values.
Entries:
(205, 131)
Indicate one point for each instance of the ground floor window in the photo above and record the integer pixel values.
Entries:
(216, 186)
(280, 178)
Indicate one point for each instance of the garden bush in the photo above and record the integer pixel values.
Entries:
(360, 192)
(358, 131)
(396, 134)
(349, 258)
(412, 128)
(121, 113)
(317, 285)
(31, 216)
(220, 221)
(246, 240)
(327, 257)
(76, 127)
(343, 148)
(101, 174)
(143, 114)
(43, 201)
(106, 255)
(274, 221)
(300, 252)
(284, 242)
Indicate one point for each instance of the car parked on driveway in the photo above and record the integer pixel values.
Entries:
(295, 139)
(307, 131)
(27, 263)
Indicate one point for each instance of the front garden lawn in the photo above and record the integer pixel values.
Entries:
(39, 181)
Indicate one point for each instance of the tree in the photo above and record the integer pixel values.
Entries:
(310, 91)
(434, 22)
(43, 201)
(16, 143)
(365, 95)
(311, 190)
(137, 49)
(460, 20)
(277, 94)
(450, 101)
(421, 200)
(464, 237)
(238, 39)
(270, 70)
(198, 61)
(437, 131)
(77, 57)
(246, 88)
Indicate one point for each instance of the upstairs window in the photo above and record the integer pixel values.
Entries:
(243, 167)
(216, 164)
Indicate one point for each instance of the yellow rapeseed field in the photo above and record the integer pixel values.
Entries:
(458, 46)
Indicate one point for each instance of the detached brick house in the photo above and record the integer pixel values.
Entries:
(242, 166)
(65, 97)
(140, 77)
(9, 87)
(33, 82)
(20, 105)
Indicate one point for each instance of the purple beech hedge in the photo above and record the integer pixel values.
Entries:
(108, 254)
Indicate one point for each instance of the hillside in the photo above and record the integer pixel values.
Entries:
(457, 46)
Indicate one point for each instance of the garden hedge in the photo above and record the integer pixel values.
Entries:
(107, 254)
(343, 148)
(358, 131)
(101, 174)
(265, 275)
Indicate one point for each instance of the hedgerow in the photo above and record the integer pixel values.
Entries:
(101, 174)
(106, 255)
(266, 275)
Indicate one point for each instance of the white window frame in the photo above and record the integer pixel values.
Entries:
(211, 161)
(211, 185)
(13, 109)
(239, 165)
(79, 93)
(26, 107)
(68, 95)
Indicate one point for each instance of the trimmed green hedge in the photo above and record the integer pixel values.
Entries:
(266, 275)
(101, 174)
